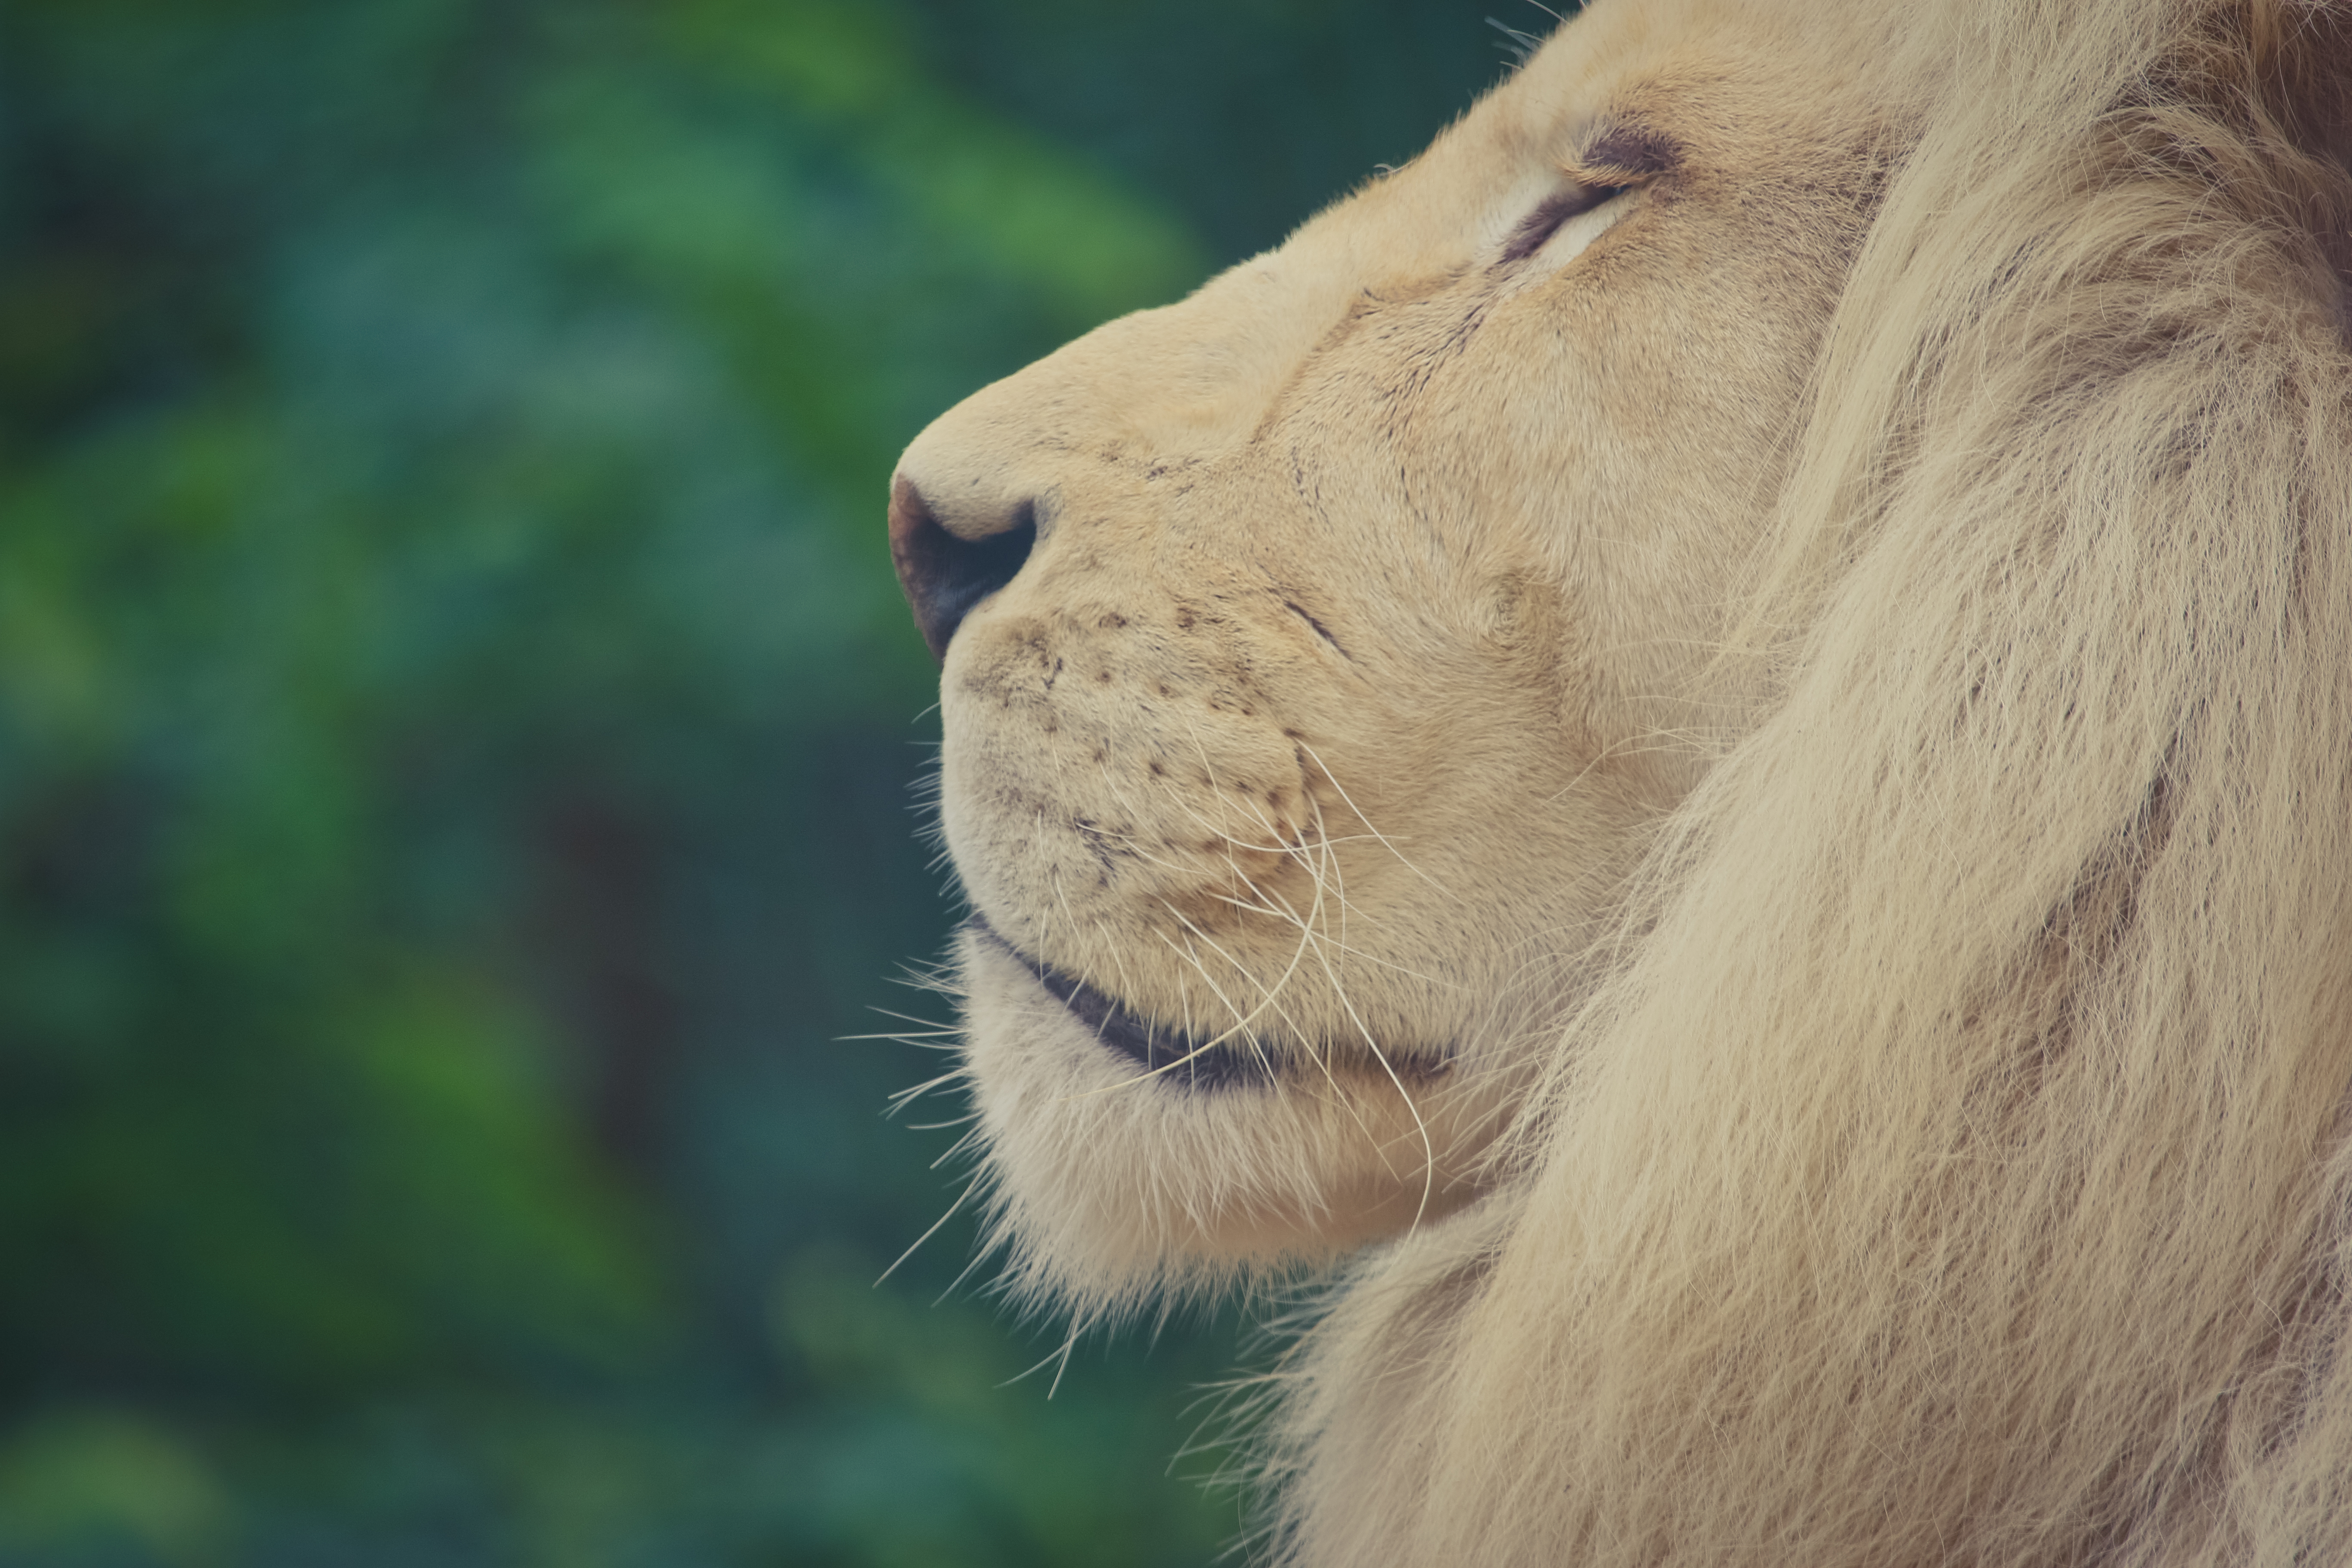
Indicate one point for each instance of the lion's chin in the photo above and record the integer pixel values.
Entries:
(1121, 1164)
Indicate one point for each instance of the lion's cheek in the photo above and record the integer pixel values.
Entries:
(1107, 1184)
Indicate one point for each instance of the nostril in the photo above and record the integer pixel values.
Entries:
(945, 577)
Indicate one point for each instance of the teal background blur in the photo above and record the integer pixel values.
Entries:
(459, 741)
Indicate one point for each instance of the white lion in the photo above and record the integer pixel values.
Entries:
(1713, 728)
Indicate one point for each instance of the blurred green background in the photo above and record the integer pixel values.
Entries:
(459, 741)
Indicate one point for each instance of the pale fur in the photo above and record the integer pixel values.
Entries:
(1892, 934)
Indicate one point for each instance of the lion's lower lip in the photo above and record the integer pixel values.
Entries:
(1157, 1048)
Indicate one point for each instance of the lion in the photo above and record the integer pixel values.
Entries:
(1700, 749)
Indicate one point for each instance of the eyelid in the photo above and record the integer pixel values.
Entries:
(1632, 150)
(1553, 211)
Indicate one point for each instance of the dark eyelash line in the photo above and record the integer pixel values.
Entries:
(1553, 211)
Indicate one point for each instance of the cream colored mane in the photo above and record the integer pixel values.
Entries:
(1944, 1159)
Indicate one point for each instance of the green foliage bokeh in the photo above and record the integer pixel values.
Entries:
(457, 725)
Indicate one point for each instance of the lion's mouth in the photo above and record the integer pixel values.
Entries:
(1190, 1060)
(1159, 1049)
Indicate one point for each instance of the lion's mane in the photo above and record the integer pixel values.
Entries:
(1953, 1166)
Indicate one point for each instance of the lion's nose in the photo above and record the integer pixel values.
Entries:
(945, 576)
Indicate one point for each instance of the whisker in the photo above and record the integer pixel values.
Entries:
(1385, 842)
(1420, 1127)
(904, 1097)
(979, 1256)
(934, 1229)
(1322, 1058)
(1281, 910)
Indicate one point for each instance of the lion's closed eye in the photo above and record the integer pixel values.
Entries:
(1554, 212)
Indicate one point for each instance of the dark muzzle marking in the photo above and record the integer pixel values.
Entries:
(1158, 1049)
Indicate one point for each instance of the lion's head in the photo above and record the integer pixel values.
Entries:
(1722, 711)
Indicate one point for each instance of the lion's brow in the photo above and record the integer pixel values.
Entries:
(1622, 147)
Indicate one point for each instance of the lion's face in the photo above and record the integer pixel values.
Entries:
(1364, 626)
